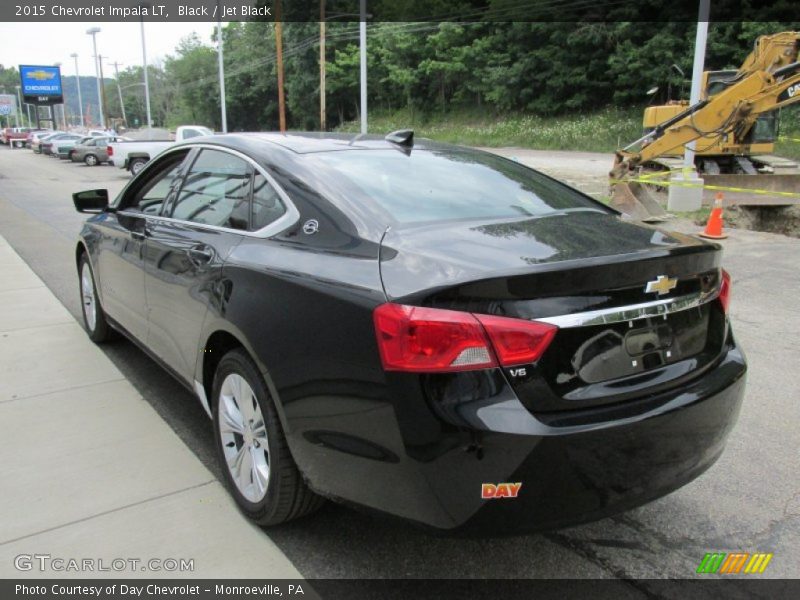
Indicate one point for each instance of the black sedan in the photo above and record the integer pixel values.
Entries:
(424, 330)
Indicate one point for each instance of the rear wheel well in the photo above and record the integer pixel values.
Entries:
(217, 346)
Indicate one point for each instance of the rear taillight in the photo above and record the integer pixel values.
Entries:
(725, 290)
(432, 340)
(517, 341)
(110, 150)
(417, 339)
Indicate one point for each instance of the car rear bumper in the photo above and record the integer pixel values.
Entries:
(587, 476)
(432, 473)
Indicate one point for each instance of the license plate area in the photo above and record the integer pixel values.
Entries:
(644, 340)
(601, 364)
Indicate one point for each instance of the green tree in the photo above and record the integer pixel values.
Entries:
(192, 75)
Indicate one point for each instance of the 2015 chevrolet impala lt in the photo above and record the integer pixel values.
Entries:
(425, 330)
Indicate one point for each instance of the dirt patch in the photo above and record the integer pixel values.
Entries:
(772, 219)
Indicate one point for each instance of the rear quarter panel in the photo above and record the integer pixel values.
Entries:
(305, 316)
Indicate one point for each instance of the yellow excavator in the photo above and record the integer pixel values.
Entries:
(734, 126)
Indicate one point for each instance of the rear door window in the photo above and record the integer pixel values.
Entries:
(216, 191)
(267, 204)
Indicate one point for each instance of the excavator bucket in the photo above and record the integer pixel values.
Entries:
(636, 201)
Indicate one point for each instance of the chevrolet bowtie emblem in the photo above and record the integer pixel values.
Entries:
(661, 285)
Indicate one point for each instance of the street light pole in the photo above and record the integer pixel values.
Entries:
(363, 56)
(279, 67)
(697, 71)
(93, 31)
(221, 62)
(103, 105)
(78, 84)
(686, 195)
(144, 62)
(322, 109)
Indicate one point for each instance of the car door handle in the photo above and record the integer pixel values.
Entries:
(200, 254)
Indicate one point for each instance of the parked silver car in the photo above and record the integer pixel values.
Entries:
(94, 151)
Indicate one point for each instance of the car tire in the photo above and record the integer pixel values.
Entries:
(255, 460)
(94, 319)
(90, 160)
(136, 165)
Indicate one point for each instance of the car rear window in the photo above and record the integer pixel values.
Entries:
(429, 185)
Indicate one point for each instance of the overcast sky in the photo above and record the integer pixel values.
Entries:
(48, 43)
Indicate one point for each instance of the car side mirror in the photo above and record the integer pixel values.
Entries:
(90, 201)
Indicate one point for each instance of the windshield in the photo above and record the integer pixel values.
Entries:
(451, 184)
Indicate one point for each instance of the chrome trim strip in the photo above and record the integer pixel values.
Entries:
(632, 312)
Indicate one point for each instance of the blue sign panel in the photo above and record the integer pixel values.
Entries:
(41, 84)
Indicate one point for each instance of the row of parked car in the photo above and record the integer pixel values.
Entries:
(96, 147)
(14, 136)
(90, 148)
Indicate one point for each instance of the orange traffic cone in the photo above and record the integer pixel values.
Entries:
(713, 228)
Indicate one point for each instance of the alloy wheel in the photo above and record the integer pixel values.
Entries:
(243, 434)
(87, 295)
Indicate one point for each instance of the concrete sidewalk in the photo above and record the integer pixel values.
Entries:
(89, 470)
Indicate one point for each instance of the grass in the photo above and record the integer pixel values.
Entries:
(789, 149)
(601, 131)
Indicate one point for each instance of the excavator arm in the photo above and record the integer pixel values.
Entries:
(771, 52)
(768, 79)
(733, 109)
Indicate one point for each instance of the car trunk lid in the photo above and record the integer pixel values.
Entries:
(632, 302)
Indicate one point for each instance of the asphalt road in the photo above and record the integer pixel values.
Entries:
(749, 501)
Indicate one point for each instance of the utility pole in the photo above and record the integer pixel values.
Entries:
(103, 105)
(78, 83)
(119, 91)
(221, 62)
(322, 119)
(54, 107)
(363, 56)
(19, 108)
(279, 51)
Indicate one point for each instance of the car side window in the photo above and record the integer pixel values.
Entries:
(216, 191)
(160, 183)
(267, 205)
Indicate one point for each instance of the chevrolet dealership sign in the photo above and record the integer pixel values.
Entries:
(41, 84)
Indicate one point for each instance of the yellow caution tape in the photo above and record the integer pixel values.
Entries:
(718, 188)
(657, 178)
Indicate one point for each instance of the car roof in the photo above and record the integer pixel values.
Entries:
(312, 142)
